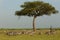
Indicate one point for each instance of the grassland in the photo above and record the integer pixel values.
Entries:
(43, 36)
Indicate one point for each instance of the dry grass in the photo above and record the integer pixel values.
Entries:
(36, 36)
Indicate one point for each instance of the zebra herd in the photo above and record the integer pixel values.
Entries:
(19, 33)
(12, 33)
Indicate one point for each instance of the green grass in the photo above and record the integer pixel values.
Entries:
(56, 36)
(26, 28)
(28, 37)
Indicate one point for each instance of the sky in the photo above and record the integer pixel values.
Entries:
(9, 20)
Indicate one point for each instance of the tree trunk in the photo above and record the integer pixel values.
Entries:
(34, 27)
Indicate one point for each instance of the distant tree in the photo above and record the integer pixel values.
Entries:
(35, 9)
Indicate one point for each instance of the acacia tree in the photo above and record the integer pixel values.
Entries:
(35, 9)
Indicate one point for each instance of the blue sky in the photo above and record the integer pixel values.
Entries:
(9, 20)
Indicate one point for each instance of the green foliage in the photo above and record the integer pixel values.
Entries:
(36, 8)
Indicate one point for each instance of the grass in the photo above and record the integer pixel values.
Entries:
(56, 36)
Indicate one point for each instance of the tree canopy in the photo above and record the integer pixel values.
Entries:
(36, 8)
